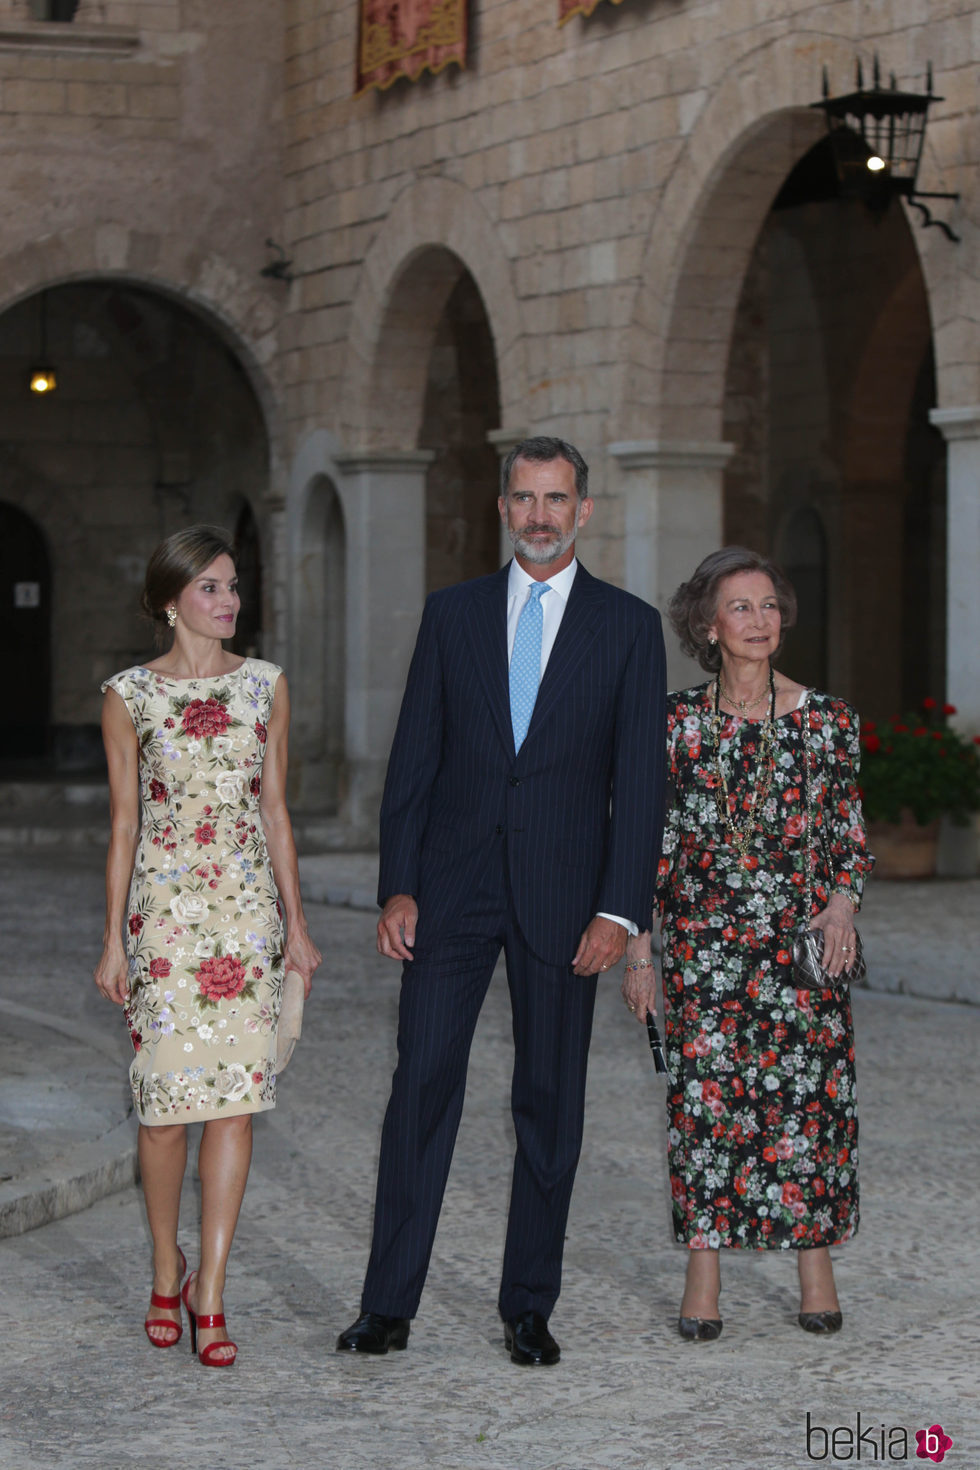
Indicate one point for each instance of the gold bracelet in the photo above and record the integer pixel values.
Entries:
(640, 965)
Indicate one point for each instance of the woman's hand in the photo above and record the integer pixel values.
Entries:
(112, 974)
(837, 923)
(640, 982)
(303, 956)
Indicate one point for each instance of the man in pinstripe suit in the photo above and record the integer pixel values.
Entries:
(522, 810)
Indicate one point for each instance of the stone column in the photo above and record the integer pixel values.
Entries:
(961, 429)
(673, 494)
(384, 493)
(503, 441)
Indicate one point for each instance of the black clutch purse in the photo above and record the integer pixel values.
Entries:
(808, 970)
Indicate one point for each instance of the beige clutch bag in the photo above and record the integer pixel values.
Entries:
(290, 1027)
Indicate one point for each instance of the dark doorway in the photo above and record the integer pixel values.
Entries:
(248, 565)
(25, 635)
(802, 552)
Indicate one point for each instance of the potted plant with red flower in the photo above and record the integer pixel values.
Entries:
(914, 771)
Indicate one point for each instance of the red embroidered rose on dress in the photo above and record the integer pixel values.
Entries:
(160, 968)
(204, 717)
(221, 978)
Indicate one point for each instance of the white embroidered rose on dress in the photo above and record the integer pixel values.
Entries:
(189, 908)
(233, 1082)
(230, 786)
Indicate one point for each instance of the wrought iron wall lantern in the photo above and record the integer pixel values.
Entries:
(877, 134)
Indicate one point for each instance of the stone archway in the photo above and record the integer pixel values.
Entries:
(752, 129)
(434, 282)
(154, 425)
(827, 404)
(670, 403)
(436, 230)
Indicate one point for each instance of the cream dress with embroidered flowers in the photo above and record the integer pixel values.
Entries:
(205, 934)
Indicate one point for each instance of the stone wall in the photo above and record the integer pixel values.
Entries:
(595, 192)
(604, 185)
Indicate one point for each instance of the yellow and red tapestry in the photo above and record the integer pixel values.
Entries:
(568, 8)
(403, 38)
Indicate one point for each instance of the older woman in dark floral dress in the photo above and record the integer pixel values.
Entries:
(762, 1115)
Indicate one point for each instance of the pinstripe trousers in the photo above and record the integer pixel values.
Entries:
(443, 990)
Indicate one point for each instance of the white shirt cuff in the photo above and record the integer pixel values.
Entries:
(630, 928)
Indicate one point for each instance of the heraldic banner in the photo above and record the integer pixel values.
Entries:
(402, 38)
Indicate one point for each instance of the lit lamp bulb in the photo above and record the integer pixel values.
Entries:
(876, 164)
(43, 380)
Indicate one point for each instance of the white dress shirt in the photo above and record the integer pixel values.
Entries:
(553, 606)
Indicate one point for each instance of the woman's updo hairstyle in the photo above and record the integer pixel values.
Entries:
(175, 563)
(694, 605)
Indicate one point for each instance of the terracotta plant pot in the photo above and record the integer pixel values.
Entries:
(904, 849)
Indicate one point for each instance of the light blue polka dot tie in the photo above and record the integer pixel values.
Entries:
(525, 662)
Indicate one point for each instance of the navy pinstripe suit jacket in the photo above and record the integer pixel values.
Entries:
(579, 808)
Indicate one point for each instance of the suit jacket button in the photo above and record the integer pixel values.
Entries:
(499, 829)
(514, 781)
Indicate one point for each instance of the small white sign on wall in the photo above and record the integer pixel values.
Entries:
(27, 594)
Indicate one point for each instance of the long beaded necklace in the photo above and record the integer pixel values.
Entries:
(740, 833)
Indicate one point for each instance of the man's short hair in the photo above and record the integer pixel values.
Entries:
(542, 449)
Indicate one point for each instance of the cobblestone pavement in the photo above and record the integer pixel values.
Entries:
(81, 1387)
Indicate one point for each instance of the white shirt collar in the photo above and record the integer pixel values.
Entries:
(519, 580)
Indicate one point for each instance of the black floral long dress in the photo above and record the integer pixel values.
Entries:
(762, 1113)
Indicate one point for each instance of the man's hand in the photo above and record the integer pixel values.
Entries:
(601, 946)
(396, 927)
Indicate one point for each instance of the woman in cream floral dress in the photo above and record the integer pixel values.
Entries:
(201, 869)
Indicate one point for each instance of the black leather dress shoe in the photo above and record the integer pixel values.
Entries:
(528, 1340)
(374, 1333)
(821, 1322)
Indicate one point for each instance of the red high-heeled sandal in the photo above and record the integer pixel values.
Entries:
(170, 1304)
(203, 1322)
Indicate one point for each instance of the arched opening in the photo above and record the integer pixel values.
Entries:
(154, 425)
(828, 389)
(25, 636)
(435, 387)
(318, 674)
(461, 407)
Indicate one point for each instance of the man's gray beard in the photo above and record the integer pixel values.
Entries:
(542, 553)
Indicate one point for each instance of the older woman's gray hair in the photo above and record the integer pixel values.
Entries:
(694, 605)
